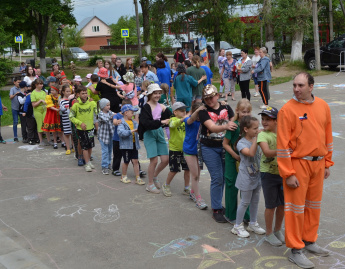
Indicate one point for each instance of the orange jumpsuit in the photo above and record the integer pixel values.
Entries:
(297, 138)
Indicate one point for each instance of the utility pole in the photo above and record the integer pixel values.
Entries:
(138, 28)
(331, 36)
(316, 36)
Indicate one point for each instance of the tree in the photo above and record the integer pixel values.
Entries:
(72, 37)
(145, 8)
(124, 22)
(36, 16)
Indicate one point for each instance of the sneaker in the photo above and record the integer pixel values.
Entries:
(152, 188)
(55, 146)
(31, 142)
(110, 168)
(157, 183)
(142, 173)
(68, 152)
(201, 204)
(256, 94)
(297, 257)
(218, 216)
(232, 222)
(116, 173)
(273, 240)
(166, 190)
(240, 231)
(25, 140)
(255, 228)
(80, 162)
(38, 141)
(125, 180)
(280, 236)
(91, 158)
(15, 139)
(192, 197)
(105, 171)
(263, 106)
(91, 165)
(186, 191)
(63, 145)
(316, 249)
(139, 181)
(87, 168)
(2, 141)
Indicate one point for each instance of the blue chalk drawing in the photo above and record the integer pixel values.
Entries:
(278, 92)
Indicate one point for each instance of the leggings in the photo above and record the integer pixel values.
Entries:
(264, 92)
(251, 198)
(244, 86)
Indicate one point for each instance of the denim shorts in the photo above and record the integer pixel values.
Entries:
(272, 186)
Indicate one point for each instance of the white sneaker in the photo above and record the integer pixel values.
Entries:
(263, 106)
(240, 231)
(91, 165)
(256, 94)
(255, 228)
(88, 168)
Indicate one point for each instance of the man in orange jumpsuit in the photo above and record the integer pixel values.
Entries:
(304, 154)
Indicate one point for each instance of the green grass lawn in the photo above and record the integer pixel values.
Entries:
(6, 118)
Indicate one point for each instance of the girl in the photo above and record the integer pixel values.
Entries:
(129, 65)
(112, 73)
(51, 122)
(228, 77)
(153, 115)
(64, 111)
(166, 101)
(244, 68)
(192, 124)
(56, 67)
(30, 75)
(244, 108)
(38, 97)
(130, 92)
(248, 178)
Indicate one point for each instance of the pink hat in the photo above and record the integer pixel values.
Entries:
(88, 75)
(77, 78)
(103, 73)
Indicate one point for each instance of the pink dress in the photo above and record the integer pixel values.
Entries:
(128, 90)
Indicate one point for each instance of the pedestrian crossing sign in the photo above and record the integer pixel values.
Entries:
(124, 33)
(18, 39)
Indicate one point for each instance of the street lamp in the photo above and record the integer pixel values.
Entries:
(59, 30)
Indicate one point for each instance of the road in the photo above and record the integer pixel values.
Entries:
(55, 215)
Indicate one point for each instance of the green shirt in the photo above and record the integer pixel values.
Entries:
(83, 113)
(177, 134)
(95, 97)
(36, 96)
(268, 165)
(197, 73)
(233, 137)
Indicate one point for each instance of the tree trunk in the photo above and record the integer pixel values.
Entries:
(316, 36)
(138, 27)
(296, 48)
(331, 36)
(145, 8)
(269, 32)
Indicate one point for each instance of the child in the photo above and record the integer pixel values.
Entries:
(15, 105)
(88, 78)
(138, 80)
(130, 92)
(94, 96)
(232, 158)
(51, 122)
(77, 80)
(143, 95)
(248, 178)
(153, 115)
(28, 113)
(64, 111)
(21, 99)
(129, 143)
(2, 108)
(73, 98)
(82, 114)
(176, 159)
(165, 98)
(272, 183)
(106, 132)
(191, 154)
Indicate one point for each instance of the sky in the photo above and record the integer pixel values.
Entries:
(108, 11)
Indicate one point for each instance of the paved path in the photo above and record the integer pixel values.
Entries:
(55, 215)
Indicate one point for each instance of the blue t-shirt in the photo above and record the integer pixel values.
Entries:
(164, 75)
(0, 107)
(190, 142)
(209, 73)
(117, 116)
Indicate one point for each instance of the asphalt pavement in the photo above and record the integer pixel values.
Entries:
(55, 215)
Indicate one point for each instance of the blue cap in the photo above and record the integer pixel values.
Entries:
(127, 107)
(148, 62)
(22, 84)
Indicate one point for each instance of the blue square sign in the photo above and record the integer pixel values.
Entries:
(124, 33)
(18, 39)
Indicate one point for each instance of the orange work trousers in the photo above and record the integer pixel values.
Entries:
(303, 204)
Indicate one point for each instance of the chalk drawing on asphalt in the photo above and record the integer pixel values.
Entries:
(107, 216)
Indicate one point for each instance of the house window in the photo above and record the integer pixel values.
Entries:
(95, 28)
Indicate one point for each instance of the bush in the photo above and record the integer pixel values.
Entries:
(92, 61)
(6, 67)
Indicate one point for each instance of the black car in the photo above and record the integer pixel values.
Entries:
(331, 54)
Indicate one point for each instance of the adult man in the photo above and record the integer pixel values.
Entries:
(147, 74)
(113, 60)
(304, 154)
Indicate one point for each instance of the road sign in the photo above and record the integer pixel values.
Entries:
(18, 39)
(124, 33)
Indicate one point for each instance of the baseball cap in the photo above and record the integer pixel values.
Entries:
(128, 107)
(272, 112)
(178, 105)
(51, 79)
(148, 62)
(22, 84)
(143, 59)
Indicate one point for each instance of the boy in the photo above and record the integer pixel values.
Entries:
(208, 71)
(129, 143)
(106, 131)
(82, 114)
(21, 100)
(75, 138)
(93, 94)
(272, 183)
(176, 158)
(15, 106)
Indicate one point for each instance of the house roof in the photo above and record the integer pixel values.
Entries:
(85, 22)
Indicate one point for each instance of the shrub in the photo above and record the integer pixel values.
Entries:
(92, 61)
(6, 67)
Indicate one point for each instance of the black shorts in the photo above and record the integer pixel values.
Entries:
(176, 159)
(272, 186)
(86, 138)
(129, 154)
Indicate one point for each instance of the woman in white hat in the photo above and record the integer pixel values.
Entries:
(152, 117)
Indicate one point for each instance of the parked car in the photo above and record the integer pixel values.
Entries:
(236, 53)
(330, 55)
(79, 54)
(28, 51)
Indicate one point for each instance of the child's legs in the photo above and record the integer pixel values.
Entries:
(62, 137)
(279, 218)
(67, 141)
(23, 124)
(246, 197)
(254, 204)
(151, 169)
(124, 168)
(117, 155)
(170, 177)
(110, 151)
(269, 215)
(231, 192)
(186, 178)
(30, 125)
(48, 136)
(105, 154)
(164, 162)
(136, 167)
(174, 165)
(193, 165)
(15, 114)
(55, 137)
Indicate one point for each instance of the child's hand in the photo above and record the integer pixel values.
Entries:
(5, 108)
(135, 130)
(202, 107)
(204, 77)
(23, 114)
(43, 102)
(83, 126)
(165, 122)
(237, 157)
(231, 126)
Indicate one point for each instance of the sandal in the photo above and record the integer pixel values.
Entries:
(233, 99)
(157, 183)
(125, 180)
(139, 181)
(2, 141)
(152, 188)
(68, 152)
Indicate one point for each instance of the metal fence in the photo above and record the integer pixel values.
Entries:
(130, 51)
